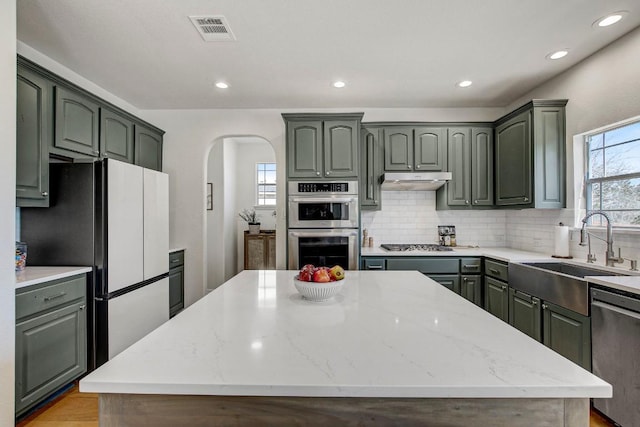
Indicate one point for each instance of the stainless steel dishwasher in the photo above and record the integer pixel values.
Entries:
(615, 329)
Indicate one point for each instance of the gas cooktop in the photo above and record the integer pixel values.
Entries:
(395, 247)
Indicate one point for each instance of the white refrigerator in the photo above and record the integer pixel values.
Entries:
(114, 216)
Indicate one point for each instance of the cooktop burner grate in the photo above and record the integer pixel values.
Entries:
(415, 247)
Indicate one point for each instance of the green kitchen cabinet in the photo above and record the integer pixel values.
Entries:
(471, 288)
(530, 156)
(176, 282)
(51, 339)
(449, 281)
(77, 123)
(34, 127)
(482, 167)
(567, 333)
(148, 147)
(418, 149)
(496, 298)
(525, 313)
(372, 263)
(370, 169)
(322, 145)
(116, 136)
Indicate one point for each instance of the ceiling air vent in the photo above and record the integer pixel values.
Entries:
(213, 28)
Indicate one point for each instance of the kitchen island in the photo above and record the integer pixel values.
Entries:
(392, 347)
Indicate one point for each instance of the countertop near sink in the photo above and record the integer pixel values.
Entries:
(34, 275)
(624, 283)
(502, 254)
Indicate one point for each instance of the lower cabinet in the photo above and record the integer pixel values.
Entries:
(51, 339)
(525, 313)
(567, 333)
(260, 251)
(176, 282)
(471, 288)
(496, 298)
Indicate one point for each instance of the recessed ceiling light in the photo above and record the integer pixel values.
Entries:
(464, 83)
(558, 54)
(339, 84)
(222, 85)
(609, 19)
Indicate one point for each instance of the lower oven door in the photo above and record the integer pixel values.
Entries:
(323, 247)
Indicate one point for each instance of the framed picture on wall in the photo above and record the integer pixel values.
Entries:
(209, 196)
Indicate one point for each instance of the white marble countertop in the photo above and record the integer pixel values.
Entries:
(624, 283)
(503, 254)
(34, 275)
(386, 334)
(179, 248)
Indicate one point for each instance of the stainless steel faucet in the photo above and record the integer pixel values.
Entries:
(610, 255)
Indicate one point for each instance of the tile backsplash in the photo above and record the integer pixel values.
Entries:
(411, 217)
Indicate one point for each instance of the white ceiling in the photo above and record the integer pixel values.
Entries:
(402, 53)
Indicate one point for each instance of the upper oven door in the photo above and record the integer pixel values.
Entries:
(323, 211)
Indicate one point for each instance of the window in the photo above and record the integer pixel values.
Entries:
(613, 175)
(265, 184)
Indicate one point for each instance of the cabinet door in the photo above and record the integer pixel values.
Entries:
(255, 253)
(482, 167)
(525, 313)
(304, 149)
(459, 164)
(51, 350)
(513, 161)
(116, 136)
(373, 263)
(148, 148)
(496, 298)
(371, 169)
(176, 290)
(271, 252)
(33, 127)
(549, 154)
(471, 288)
(77, 123)
(340, 148)
(568, 333)
(429, 145)
(398, 149)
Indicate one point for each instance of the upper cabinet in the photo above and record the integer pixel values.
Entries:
(370, 168)
(530, 156)
(33, 135)
(77, 122)
(470, 161)
(322, 145)
(148, 144)
(56, 118)
(414, 149)
(116, 136)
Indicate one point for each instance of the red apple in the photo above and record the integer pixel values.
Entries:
(336, 272)
(321, 275)
(308, 267)
(305, 276)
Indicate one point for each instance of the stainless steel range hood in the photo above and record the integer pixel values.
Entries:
(414, 180)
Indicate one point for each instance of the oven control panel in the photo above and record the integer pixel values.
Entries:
(323, 187)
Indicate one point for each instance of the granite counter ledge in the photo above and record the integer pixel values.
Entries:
(389, 338)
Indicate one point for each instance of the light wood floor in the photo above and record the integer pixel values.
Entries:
(75, 409)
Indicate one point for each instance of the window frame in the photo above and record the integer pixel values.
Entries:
(589, 182)
(257, 186)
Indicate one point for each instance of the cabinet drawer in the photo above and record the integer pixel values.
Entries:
(373, 263)
(426, 266)
(52, 294)
(470, 265)
(176, 259)
(496, 269)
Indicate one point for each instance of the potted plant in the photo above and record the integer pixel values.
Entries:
(251, 217)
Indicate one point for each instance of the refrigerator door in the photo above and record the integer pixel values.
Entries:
(156, 223)
(133, 315)
(125, 251)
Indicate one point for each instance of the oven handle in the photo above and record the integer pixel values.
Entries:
(323, 199)
(330, 232)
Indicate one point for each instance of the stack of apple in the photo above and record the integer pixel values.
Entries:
(311, 273)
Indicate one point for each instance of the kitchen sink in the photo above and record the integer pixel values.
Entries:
(561, 283)
(571, 269)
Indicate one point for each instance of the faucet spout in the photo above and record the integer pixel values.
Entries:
(611, 258)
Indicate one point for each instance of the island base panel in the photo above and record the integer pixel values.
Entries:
(172, 410)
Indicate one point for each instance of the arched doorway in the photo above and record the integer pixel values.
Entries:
(232, 171)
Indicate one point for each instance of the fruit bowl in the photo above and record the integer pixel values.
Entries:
(318, 291)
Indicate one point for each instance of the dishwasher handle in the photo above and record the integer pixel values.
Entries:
(619, 310)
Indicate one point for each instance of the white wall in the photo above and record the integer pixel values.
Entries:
(215, 218)
(7, 209)
(230, 152)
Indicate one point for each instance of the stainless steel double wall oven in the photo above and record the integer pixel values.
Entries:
(323, 223)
